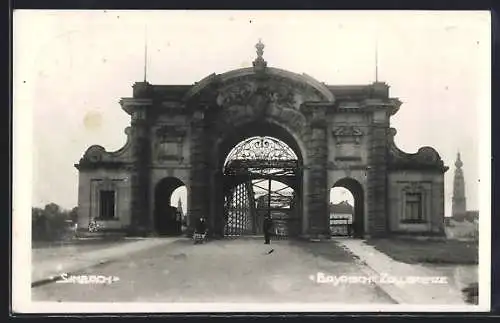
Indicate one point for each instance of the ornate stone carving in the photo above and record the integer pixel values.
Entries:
(95, 154)
(280, 94)
(237, 94)
(347, 134)
(251, 94)
(233, 116)
(169, 142)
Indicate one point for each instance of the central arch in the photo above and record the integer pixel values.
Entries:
(288, 157)
(167, 219)
(231, 107)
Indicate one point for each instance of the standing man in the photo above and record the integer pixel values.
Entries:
(268, 223)
(201, 226)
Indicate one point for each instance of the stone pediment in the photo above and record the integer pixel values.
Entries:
(97, 156)
(426, 158)
(278, 86)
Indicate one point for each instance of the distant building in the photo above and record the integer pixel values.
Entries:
(472, 216)
(459, 210)
(341, 216)
(463, 223)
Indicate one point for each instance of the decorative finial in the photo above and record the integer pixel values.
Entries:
(459, 163)
(259, 62)
(260, 48)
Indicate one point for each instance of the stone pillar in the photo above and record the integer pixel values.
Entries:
(218, 203)
(140, 172)
(377, 176)
(199, 175)
(316, 197)
(436, 194)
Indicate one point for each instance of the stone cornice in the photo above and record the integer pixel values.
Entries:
(392, 105)
(129, 105)
(114, 165)
(417, 167)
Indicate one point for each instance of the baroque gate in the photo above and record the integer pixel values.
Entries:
(251, 169)
(262, 140)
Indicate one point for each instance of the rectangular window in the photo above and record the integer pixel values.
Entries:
(107, 205)
(413, 208)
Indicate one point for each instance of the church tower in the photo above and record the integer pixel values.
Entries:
(458, 201)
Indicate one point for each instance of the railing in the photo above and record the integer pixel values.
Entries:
(341, 227)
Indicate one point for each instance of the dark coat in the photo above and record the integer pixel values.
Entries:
(268, 224)
(201, 226)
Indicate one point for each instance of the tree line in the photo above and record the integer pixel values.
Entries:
(52, 223)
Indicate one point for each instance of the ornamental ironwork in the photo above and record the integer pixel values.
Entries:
(253, 165)
(262, 148)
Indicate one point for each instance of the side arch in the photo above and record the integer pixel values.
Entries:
(166, 219)
(357, 191)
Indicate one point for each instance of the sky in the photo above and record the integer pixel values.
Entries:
(72, 67)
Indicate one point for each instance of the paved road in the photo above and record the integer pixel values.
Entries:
(71, 250)
(240, 270)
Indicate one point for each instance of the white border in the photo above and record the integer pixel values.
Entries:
(485, 180)
(52, 307)
(22, 171)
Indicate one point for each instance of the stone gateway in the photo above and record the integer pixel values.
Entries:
(340, 136)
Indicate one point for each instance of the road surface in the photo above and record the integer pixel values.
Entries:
(240, 270)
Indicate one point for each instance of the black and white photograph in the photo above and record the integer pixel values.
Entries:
(192, 161)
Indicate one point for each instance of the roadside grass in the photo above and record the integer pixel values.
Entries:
(414, 251)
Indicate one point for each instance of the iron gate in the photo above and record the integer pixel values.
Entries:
(249, 172)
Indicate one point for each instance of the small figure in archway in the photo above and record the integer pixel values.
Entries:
(200, 230)
(268, 224)
(201, 225)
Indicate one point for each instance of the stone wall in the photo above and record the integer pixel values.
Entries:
(317, 190)
(348, 139)
(431, 185)
(376, 194)
(199, 176)
(89, 184)
(175, 134)
(140, 173)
